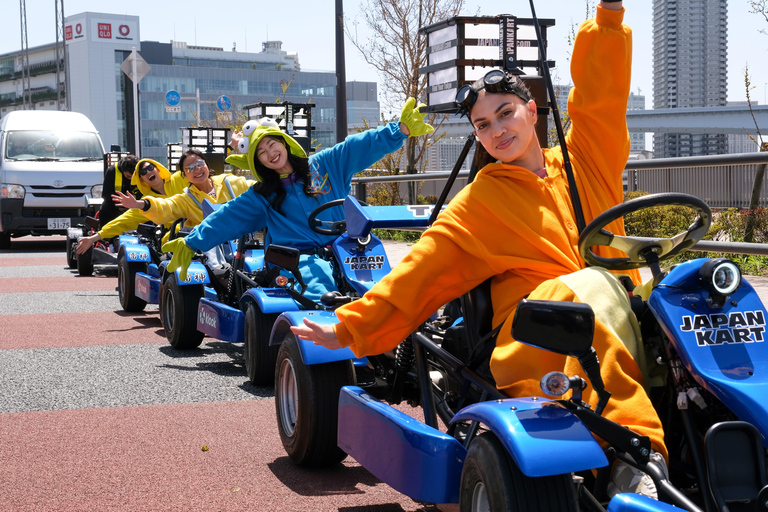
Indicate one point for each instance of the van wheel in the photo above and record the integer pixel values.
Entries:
(126, 284)
(85, 263)
(178, 313)
(5, 241)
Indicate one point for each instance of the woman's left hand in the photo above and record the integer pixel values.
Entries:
(322, 335)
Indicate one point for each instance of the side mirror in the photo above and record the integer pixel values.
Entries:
(561, 327)
(282, 256)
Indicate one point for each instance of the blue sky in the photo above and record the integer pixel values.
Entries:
(248, 24)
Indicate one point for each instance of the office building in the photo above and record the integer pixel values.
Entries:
(690, 48)
(181, 85)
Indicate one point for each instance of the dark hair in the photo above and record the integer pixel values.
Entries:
(189, 152)
(127, 163)
(270, 183)
(512, 85)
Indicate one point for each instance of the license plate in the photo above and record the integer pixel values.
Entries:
(59, 223)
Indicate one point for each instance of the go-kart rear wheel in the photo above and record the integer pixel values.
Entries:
(71, 255)
(492, 481)
(260, 357)
(178, 313)
(85, 263)
(307, 405)
(126, 283)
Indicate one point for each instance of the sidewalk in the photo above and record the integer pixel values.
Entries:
(397, 250)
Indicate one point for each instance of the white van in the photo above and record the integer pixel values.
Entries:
(51, 164)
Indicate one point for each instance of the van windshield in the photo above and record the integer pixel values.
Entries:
(49, 146)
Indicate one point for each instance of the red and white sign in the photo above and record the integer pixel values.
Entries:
(74, 31)
(68, 32)
(105, 31)
(124, 30)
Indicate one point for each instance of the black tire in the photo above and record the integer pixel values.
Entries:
(260, 357)
(5, 241)
(307, 406)
(491, 481)
(178, 313)
(71, 256)
(126, 284)
(85, 263)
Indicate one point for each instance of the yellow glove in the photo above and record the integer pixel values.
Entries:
(182, 256)
(414, 120)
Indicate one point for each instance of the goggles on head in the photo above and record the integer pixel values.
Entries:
(495, 81)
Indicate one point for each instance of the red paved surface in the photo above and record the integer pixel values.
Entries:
(57, 284)
(151, 458)
(80, 329)
(35, 261)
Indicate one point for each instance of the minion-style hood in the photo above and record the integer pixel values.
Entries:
(163, 173)
(253, 132)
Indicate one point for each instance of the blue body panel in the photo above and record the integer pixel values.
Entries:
(271, 300)
(136, 252)
(361, 268)
(310, 353)
(362, 219)
(220, 321)
(542, 437)
(196, 274)
(724, 348)
(210, 293)
(411, 457)
(254, 261)
(147, 288)
(638, 503)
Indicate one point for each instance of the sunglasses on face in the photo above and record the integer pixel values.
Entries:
(495, 81)
(147, 168)
(195, 165)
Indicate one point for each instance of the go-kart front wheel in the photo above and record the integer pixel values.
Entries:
(307, 404)
(85, 263)
(260, 357)
(126, 284)
(71, 255)
(178, 313)
(492, 481)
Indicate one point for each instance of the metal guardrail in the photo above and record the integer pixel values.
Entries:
(683, 166)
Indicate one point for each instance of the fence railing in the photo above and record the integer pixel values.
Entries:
(723, 181)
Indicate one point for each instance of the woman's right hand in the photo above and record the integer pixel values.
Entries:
(85, 243)
(320, 334)
(126, 200)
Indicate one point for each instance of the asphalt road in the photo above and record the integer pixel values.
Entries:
(99, 413)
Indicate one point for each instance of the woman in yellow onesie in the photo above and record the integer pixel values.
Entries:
(515, 223)
(188, 204)
(153, 180)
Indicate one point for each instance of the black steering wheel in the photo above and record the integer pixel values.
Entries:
(174, 230)
(336, 227)
(639, 248)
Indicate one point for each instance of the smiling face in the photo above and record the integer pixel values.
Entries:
(196, 170)
(506, 126)
(148, 174)
(273, 154)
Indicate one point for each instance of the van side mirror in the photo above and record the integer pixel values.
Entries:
(561, 327)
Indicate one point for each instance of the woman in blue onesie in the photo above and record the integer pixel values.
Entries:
(291, 186)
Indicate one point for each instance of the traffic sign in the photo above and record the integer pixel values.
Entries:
(224, 103)
(142, 67)
(172, 97)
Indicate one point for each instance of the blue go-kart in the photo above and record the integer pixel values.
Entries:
(264, 286)
(701, 323)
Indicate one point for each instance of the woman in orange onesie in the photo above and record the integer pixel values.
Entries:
(515, 223)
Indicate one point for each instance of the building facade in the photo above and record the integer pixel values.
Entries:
(690, 52)
(212, 86)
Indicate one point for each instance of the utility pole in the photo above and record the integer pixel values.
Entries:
(26, 89)
(61, 57)
(341, 75)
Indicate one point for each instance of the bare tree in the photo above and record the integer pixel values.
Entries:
(757, 185)
(397, 51)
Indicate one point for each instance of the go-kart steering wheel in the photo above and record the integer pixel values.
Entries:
(639, 248)
(336, 227)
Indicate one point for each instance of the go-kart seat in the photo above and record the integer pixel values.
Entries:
(478, 320)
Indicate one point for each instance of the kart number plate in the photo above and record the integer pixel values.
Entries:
(59, 223)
